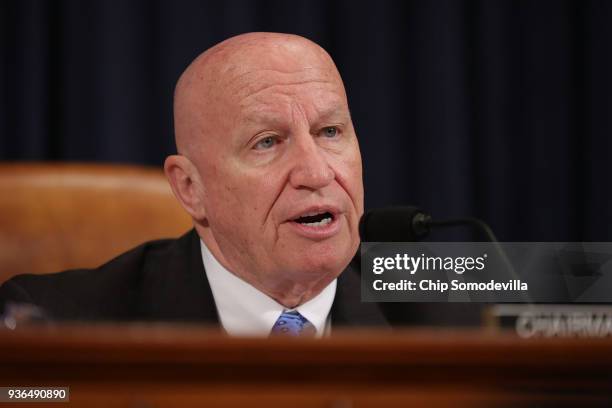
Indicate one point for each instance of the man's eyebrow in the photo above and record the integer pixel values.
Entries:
(262, 117)
(334, 113)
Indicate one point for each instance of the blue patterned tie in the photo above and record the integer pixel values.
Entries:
(292, 323)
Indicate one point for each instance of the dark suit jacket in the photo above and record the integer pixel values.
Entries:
(158, 281)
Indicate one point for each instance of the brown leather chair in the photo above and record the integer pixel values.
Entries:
(61, 216)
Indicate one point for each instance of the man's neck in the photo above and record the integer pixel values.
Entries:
(287, 292)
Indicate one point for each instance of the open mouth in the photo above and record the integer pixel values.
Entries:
(315, 219)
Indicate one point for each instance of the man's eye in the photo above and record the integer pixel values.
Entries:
(265, 143)
(330, 131)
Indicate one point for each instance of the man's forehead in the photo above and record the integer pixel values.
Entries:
(322, 105)
(255, 80)
(268, 94)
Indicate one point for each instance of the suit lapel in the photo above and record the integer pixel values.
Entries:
(176, 286)
(348, 310)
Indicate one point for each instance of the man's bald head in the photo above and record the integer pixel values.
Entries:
(234, 66)
(269, 166)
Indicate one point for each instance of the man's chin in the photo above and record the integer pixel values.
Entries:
(313, 264)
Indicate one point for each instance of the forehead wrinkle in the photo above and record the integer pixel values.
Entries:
(261, 71)
(250, 94)
(259, 80)
(253, 90)
(298, 113)
(274, 113)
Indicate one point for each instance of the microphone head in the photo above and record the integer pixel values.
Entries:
(394, 224)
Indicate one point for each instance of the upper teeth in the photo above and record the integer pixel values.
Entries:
(311, 214)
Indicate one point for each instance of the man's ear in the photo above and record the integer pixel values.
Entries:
(186, 185)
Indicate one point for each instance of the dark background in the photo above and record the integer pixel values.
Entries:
(496, 109)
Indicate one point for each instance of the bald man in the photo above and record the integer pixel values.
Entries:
(269, 168)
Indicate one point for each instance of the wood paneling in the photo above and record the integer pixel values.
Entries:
(189, 366)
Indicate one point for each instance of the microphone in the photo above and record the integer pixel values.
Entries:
(394, 224)
(409, 224)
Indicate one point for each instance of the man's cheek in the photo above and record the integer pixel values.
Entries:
(349, 176)
(349, 160)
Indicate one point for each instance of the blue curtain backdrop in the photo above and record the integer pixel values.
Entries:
(496, 109)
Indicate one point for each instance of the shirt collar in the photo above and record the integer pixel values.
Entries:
(245, 311)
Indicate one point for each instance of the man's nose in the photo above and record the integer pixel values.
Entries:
(311, 168)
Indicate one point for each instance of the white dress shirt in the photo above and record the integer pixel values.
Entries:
(245, 311)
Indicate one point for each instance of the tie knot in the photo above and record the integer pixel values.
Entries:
(292, 323)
